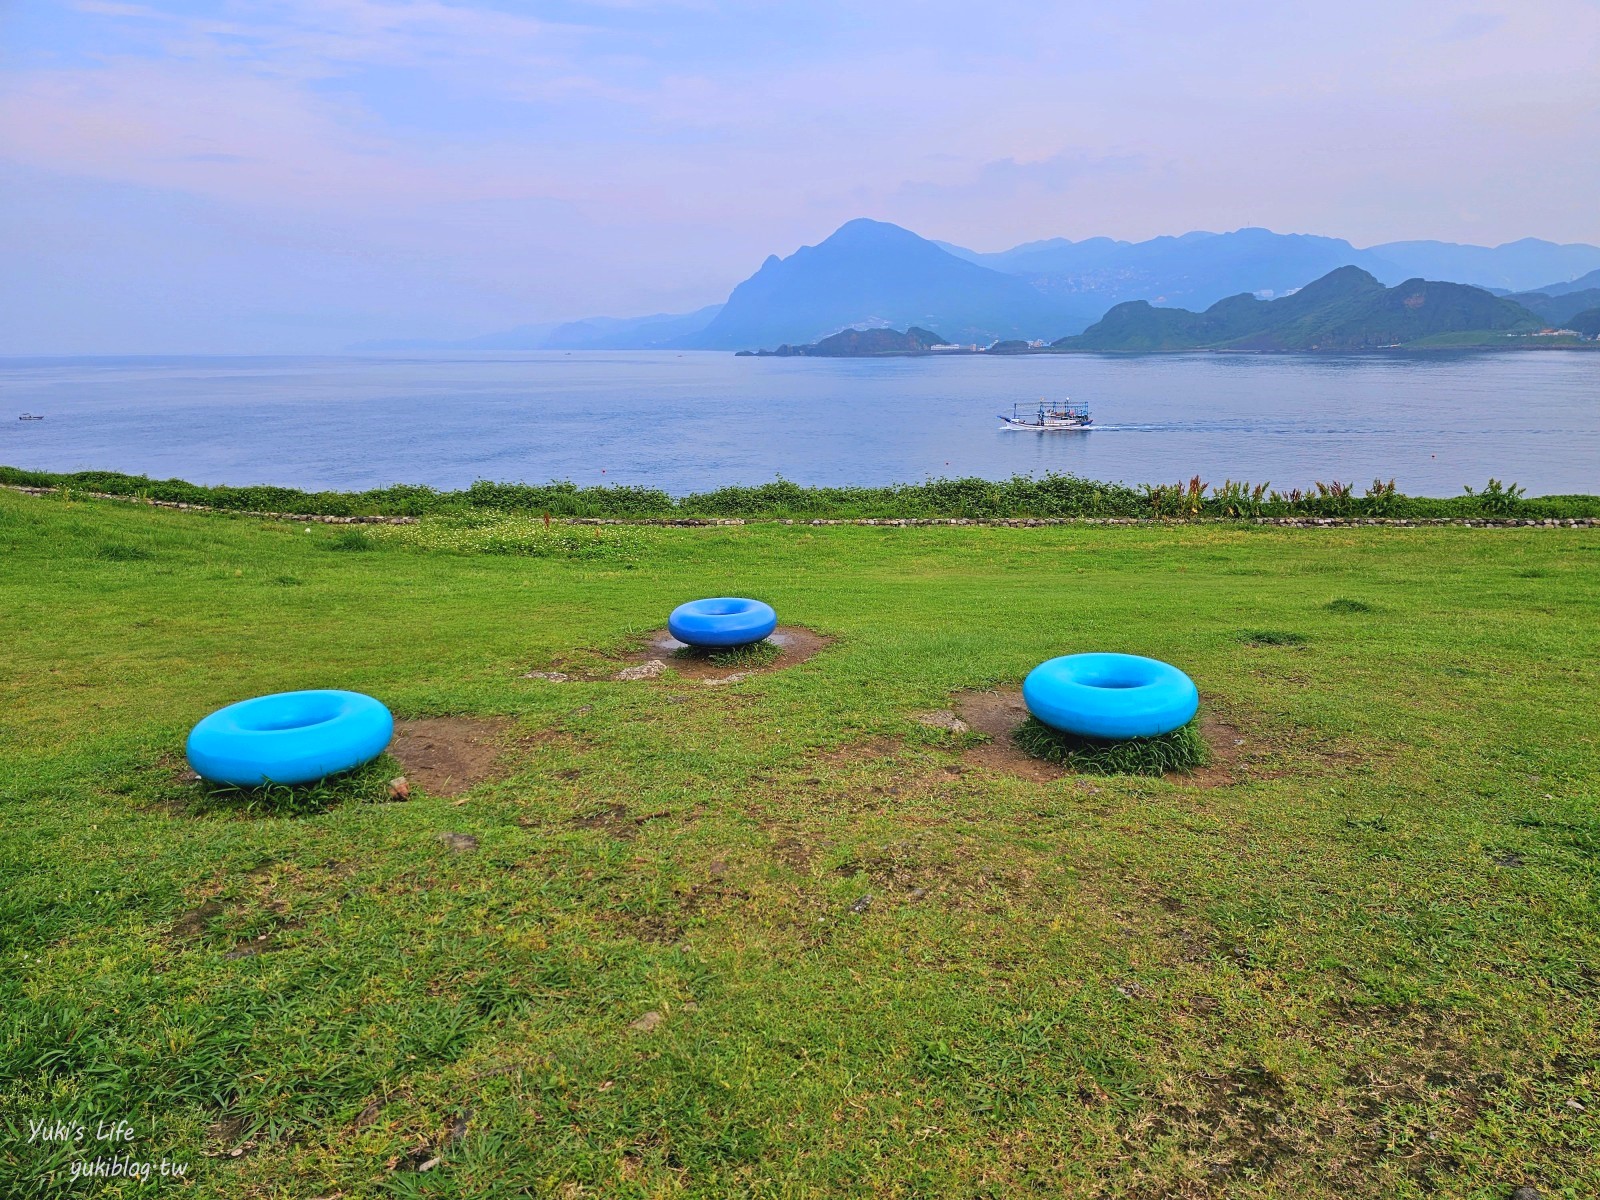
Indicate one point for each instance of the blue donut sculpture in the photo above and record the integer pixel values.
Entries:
(723, 621)
(288, 738)
(1110, 695)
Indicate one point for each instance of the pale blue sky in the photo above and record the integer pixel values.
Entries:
(304, 173)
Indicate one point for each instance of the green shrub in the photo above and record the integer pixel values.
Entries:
(356, 540)
(1497, 499)
(569, 500)
(1382, 499)
(1049, 495)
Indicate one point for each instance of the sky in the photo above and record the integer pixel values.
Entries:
(299, 175)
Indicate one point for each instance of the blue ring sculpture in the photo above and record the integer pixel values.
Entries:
(289, 738)
(722, 621)
(1111, 696)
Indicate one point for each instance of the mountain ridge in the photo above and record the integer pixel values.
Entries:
(1584, 283)
(1559, 308)
(1201, 267)
(875, 274)
(1347, 309)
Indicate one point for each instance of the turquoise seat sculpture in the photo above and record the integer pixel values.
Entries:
(289, 738)
(1112, 696)
(722, 621)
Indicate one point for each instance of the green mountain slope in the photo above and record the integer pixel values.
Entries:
(1559, 308)
(1586, 322)
(1346, 309)
(857, 343)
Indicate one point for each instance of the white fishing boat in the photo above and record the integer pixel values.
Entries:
(29, 417)
(1047, 416)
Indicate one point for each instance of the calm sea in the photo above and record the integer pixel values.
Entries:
(698, 420)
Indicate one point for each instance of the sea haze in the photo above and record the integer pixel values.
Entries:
(691, 421)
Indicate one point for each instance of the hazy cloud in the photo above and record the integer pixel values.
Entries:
(1005, 178)
(417, 164)
(1472, 25)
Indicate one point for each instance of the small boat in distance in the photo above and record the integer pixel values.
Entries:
(29, 417)
(1047, 416)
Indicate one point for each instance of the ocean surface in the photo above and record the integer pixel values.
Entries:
(692, 421)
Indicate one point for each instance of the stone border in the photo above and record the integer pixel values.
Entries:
(1036, 522)
(894, 522)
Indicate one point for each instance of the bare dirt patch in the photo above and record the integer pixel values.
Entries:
(658, 929)
(1237, 1120)
(794, 645)
(447, 755)
(617, 820)
(228, 1138)
(1229, 753)
(192, 924)
(857, 752)
(1000, 713)
(795, 854)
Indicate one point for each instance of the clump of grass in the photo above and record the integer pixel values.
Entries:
(756, 654)
(1181, 750)
(287, 581)
(1270, 637)
(1367, 824)
(1341, 604)
(364, 785)
(116, 552)
(353, 539)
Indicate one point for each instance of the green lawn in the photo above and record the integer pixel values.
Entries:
(1369, 970)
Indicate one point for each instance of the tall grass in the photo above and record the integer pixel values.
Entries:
(1181, 750)
(367, 784)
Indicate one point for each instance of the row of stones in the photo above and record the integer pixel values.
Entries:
(318, 518)
(1013, 522)
(1033, 522)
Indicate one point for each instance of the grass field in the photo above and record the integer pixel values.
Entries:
(776, 938)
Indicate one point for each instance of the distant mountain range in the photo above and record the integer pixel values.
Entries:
(1199, 269)
(1195, 269)
(1559, 309)
(1584, 283)
(1515, 266)
(1561, 303)
(871, 274)
(1347, 309)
